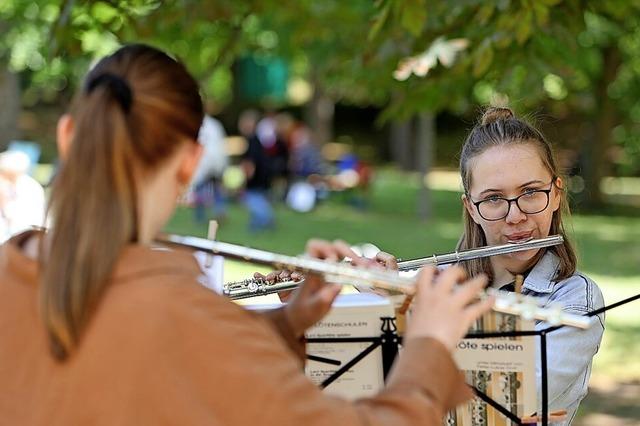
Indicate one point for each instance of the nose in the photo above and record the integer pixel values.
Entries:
(515, 215)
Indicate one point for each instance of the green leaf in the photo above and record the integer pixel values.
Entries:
(485, 13)
(502, 39)
(414, 16)
(504, 4)
(541, 13)
(483, 58)
(380, 20)
(504, 22)
(524, 28)
(103, 12)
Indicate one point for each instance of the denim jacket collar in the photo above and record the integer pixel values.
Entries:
(541, 277)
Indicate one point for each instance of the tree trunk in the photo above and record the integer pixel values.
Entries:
(597, 158)
(320, 111)
(425, 144)
(400, 141)
(10, 110)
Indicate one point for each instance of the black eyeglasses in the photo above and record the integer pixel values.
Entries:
(530, 202)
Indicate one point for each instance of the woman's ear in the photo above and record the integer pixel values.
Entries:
(189, 162)
(470, 208)
(556, 196)
(64, 135)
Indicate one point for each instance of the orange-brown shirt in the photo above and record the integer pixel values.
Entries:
(161, 349)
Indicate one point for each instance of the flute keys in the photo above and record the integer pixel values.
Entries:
(253, 286)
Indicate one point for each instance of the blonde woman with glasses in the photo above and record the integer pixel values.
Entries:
(513, 192)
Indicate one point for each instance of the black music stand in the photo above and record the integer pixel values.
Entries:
(389, 341)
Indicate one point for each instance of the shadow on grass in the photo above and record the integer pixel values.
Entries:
(619, 353)
(611, 405)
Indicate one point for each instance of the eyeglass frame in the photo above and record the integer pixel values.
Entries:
(515, 200)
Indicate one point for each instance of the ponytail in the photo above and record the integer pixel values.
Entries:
(95, 216)
(118, 129)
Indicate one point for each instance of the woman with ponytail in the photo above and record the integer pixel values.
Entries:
(97, 326)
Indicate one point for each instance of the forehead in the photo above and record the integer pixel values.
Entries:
(507, 167)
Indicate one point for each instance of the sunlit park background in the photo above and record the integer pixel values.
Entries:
(396, 83)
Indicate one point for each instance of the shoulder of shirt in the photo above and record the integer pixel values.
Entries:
(154, 280)
(577, 293)
(175, 306)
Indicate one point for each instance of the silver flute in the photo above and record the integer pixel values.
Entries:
(345, 274)
(477, 253)
(259, 286)
(338, 273)
(252, 287)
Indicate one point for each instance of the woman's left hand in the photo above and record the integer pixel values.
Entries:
(278, 277)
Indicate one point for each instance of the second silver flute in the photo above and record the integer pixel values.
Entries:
(476, 253)
(260, 287)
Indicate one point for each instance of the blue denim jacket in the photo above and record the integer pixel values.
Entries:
(570, 350)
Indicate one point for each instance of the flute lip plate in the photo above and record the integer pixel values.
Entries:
(520, 241)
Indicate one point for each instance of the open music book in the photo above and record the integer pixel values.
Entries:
(352, 315)
(501, 368)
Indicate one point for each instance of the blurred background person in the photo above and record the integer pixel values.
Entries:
(272, 131)
(307, 170)
(209, 192)
(306, 158)
(280, 154)
(22, 200)
(247, 123)
(354, 177)
(255, 165)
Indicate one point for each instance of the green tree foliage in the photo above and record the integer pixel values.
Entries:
(54, 42)
(575, 58)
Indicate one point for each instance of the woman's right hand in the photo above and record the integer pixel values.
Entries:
(444, 309)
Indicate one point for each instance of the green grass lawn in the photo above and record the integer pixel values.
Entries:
(608, 245)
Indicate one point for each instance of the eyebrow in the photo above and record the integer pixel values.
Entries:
(531, 182)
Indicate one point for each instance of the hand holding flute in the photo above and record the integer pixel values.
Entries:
(444, 305)
(312, 300)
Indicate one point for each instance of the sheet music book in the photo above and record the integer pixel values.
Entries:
(352, 315)
(501, 368)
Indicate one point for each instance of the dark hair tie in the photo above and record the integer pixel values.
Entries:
(119, 87)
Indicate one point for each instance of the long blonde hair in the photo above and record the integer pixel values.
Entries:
(497, 127)
(135, 108)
